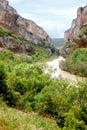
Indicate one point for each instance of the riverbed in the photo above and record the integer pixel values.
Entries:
(56, 72)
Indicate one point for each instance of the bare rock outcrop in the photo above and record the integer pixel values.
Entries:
(76, 36)
(77, 23)
(10, 19)
(15, 45)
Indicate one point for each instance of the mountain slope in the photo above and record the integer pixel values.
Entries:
(76, 36)
(10, 19)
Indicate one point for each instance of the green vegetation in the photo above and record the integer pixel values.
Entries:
(18, 77)
(65, 103)
(6, 32)
(30, 99)
(41, 46)
(25, 87)
(13, 119)
(83, 31)
(47, 46)
(40, 53)
(76, 63)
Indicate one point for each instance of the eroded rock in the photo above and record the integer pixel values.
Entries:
(76, 36)
(15, 45)
(77, 23)
(28, 29)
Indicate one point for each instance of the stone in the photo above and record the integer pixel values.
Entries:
(15, 45)
(77, 23)
(72, 37)
(10, 19)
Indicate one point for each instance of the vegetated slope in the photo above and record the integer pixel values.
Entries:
(11, 119)
(24, 86)
(76, 63)
(58, 42)
(18, 44)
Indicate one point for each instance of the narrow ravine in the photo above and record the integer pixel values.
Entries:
(56, 72)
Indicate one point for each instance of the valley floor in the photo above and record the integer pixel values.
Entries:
(57, 72)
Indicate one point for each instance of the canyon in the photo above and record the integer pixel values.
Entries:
(16, 24)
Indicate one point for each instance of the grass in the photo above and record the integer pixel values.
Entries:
(12, 119)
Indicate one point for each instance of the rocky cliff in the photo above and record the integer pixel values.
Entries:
(76, 36)
(15, 45)
(77, 23)
(10, 19)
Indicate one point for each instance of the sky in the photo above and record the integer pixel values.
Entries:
(54, 16)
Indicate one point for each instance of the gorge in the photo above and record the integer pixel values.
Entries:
(19, 26)
(38, 89)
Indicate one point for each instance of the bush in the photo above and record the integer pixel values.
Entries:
(51, 101)
(83, 31)
(79, 55)
(25, 86)
(76, 63)
(72, 123)
(3, 86)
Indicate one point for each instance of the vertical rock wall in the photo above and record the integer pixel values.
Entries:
(77, 23)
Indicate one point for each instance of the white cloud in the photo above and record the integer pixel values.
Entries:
(15, 1)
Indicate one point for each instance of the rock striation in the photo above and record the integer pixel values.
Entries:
(10, 19)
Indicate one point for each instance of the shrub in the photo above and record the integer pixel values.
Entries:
(79, 55)
(76, 63)
(83, 31)
(51, 101)
(3, 86)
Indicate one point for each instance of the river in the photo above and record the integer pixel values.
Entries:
(55, 71)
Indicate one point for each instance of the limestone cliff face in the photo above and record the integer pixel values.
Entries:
(15, 45)
(77, 23)
(23, 27)
(76, 36)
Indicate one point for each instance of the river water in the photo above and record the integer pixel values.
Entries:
(56, 72)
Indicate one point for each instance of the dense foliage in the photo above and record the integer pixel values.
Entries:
(76, 63)
(19, 77)
(24, 86)
(83, 31)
